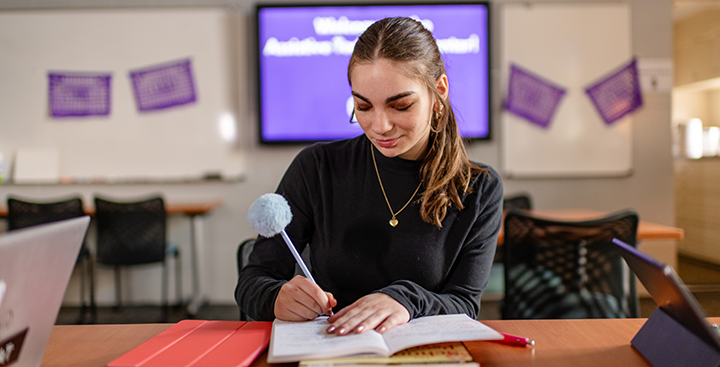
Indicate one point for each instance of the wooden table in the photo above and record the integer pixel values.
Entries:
(646, 230)
(195, 212)
(587, 343)
(199, 208)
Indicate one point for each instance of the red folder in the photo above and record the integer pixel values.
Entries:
(198, 343)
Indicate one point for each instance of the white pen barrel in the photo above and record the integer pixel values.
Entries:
(297, 256)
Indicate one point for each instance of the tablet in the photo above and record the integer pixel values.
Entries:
(669, 292)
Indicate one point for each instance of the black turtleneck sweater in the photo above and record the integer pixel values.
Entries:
(339, 211)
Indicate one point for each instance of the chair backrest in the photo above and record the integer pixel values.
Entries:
(556, 269)
(243, 253)
(130, 232)
(23, 213)
(246, 247)
(519, 201)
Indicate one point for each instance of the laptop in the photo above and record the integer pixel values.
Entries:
(670, 293)
(35, 267)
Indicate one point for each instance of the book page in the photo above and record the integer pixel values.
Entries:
(292, 341)
(438, 329)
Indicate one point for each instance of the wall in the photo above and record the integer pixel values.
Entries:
(697, 95)
(649, 189)
(692, 104)
(698, 207)
(180, 142)
(697, 47)
(697, 68)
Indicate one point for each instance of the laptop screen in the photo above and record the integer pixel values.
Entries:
(35, 267)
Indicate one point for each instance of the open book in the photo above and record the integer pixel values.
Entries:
(450, 354)
(295, 341)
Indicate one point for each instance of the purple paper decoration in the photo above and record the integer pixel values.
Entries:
(532, 97)
(163, 86)
(617, 94)
(79, 94)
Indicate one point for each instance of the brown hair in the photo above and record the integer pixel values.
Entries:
(446, 171)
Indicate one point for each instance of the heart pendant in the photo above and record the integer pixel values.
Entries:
(393, 222)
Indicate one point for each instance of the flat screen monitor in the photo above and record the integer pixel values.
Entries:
(303, 53)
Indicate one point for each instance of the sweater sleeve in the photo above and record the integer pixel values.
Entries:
(471, 270)
(271, 264)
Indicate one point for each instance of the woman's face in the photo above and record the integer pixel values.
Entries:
(393, 109)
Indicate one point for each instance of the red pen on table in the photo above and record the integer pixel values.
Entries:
(515, 340)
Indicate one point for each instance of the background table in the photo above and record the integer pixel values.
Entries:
(195, 212)
(587, 343)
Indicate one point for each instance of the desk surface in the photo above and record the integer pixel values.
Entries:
(646, 230)
(599, 342)
(198, 208)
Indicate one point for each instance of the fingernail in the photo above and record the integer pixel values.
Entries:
(341, 331)
(331, 329)
(359, 329)
(382, 329)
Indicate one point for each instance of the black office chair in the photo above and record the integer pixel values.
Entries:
(24, 213)
(518, 201)
(556, 269)
(243, 253)
(133, 233)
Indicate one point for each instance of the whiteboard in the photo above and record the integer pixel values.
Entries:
(572, 45)
(182, 142)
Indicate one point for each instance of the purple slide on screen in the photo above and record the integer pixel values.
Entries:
(304, 52)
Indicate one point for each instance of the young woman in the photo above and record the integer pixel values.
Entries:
(400, 223)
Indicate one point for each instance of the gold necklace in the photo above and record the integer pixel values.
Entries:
(393, 221)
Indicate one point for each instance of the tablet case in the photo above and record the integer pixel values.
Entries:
(199, 343)
(664, 342)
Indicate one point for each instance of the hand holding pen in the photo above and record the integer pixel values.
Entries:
(300, 298)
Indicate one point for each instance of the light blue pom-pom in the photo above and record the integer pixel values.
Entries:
(269, 214)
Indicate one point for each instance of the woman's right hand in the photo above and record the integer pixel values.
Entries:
(301, 299)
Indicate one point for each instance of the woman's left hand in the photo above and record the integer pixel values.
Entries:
(375, 311)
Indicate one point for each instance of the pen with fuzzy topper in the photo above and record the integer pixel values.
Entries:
(269, 215)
